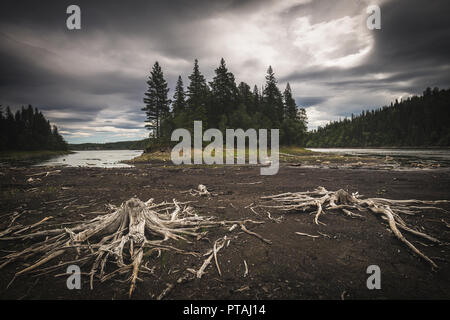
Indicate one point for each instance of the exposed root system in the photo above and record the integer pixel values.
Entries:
(321, 200)
(124, 238)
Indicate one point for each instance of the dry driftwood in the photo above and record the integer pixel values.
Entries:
(201, 191)
(122, 237)
(321, 199)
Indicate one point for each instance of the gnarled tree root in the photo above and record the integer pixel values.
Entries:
(321, 199)
(124, 237)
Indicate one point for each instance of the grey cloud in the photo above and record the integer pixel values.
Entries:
(412, 44)
(310, 101)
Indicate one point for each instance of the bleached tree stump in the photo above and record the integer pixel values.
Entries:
(120, 237)
(321, 199)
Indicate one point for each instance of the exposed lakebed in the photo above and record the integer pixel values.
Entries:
(410, 157)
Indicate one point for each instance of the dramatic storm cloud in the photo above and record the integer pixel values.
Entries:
(90, 82)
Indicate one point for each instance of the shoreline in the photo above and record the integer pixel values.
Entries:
(390, 147)
(25, 158)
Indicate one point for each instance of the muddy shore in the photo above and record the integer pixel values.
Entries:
(292, 267)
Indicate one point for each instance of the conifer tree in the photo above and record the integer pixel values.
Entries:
(224, 94)
(272, 99)
(245, 96)
(156, 101)
(197, 96)
(290, 108)
(179, 98)
(256, 105)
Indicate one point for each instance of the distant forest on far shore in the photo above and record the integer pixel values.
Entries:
(418, 121)
(28, 130)
(120, 145)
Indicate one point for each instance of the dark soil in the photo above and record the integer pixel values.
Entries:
(292, 267)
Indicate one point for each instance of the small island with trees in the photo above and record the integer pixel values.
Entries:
(222, 104)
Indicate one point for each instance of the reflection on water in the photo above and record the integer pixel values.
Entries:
(94, 158)
(441, 156)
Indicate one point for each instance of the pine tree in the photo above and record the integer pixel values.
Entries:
(224, 94)
(303, 118)
(256, 105)
(245, 96)
(179, 98)
(290, 108)
(156, 101)
(197, 96)
(272, 99)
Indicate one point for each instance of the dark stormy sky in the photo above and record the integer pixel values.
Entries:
(90, 82)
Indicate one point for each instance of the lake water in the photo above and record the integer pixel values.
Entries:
(94, 158)
(112, 158)
(428, 155)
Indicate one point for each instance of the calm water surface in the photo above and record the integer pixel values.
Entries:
(94, 158)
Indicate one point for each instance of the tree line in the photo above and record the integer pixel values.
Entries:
(417, 121)
(120, 145)
(28, 129)
(222, 104)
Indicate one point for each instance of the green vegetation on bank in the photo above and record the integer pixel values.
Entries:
(120, 145)
(28, 130)
(415, 122)
(164, 155)
(287, 154)
(29, 156)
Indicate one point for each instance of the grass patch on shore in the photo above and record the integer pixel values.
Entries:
(151, 157)
(29, 156)
(297, 151)
(165, 156)
(287, 154)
